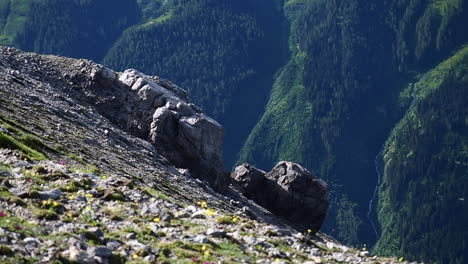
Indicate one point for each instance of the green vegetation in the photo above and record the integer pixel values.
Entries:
(9, 142)
(73, 28)
(425, 176)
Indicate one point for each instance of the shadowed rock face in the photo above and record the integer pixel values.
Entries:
(159, 111)
(288, 190)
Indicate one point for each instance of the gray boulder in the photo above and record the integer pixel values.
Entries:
(158, 111)
(288, 190)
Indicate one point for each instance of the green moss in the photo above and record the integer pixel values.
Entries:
(47, 214)
(5, 167)
(88, 168)
(116, 213)
(7, 141)
(156, 193)
(34, 142)
(227, 220)
(92, 238)
(74, 186)
(114, 195)
(20, 225)
(16, 200)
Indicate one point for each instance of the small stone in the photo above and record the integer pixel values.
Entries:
(200, 239)
(135, 244)
(100, 251)
(190, 209)
(316, 259)
(98, 232)
(130, 236)
(215, 233)
(113, 244)
(250, 240)
(32, 241)
(364, 253)
(199, 215)
(52, 194)
(80, 256)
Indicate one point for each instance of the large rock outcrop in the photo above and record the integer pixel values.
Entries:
(145, 106)
(288, 190)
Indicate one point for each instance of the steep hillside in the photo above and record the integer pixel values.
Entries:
(425, 165)
(78, 187)
(350, 84)
(336, 115)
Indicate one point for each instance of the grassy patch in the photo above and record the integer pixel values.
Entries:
(9, 142)
(227, 219)
(156, 193)
(5, 167)
(47, 214)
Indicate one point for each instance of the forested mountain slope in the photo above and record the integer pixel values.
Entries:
(73, 28)
(360, 61)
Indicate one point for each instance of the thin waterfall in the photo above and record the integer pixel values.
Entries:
(377, 164)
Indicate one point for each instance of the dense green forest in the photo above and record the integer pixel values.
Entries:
(363, 93)
(74, 28)
(352, 75)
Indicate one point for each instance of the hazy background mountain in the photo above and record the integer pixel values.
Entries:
(364, 94)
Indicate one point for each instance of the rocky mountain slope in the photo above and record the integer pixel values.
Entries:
(78, 184)
(346, 85)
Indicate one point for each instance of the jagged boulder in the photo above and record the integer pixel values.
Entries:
(288, 190)
(179, 130)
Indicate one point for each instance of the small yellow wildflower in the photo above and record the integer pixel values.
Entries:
(71, 197)
(70, 215)
(309, 231)
(207, 253)
(103, 177)
(44, 202)
(135, 256)
(400, 259)
(88, 195)
(88, 208)
(203, 248)
(210, 212)
(203, 204)
(277, 260)
(156, 220)
(56, 204)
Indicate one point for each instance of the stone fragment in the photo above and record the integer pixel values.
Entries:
(51, 194)
(215, 233)
(200, 239)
